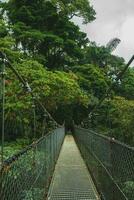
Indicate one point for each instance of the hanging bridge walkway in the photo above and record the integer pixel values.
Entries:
(86, 166)
(71, 178)
(96, 168)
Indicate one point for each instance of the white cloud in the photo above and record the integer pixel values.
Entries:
(115, 18)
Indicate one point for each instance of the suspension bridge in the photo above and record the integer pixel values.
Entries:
(84, 165)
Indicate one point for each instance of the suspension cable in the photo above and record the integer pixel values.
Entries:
(26, 86)
(5, 61)
(3, 108)
(119, 77)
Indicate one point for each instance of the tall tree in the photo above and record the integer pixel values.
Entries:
(43, 30)
(125, 87)
(78, 8)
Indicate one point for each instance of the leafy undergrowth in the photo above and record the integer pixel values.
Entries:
(12, 148)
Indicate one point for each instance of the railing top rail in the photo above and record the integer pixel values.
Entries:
(110, 139)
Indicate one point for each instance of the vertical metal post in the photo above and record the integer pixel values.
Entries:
(111, 142)
(44, 124)
(34, 121)
(35, 147)
(34, 117)
(3, 110)
(108, 121)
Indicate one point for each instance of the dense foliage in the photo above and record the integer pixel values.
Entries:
(67, 73)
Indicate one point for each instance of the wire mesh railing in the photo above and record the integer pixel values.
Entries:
(110, 162)
(27, 175)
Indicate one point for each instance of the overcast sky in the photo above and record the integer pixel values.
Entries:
(115, 18)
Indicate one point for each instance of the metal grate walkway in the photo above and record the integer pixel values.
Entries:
(71, 180)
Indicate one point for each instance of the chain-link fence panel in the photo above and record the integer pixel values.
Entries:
(27, 175)
(110, 162)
